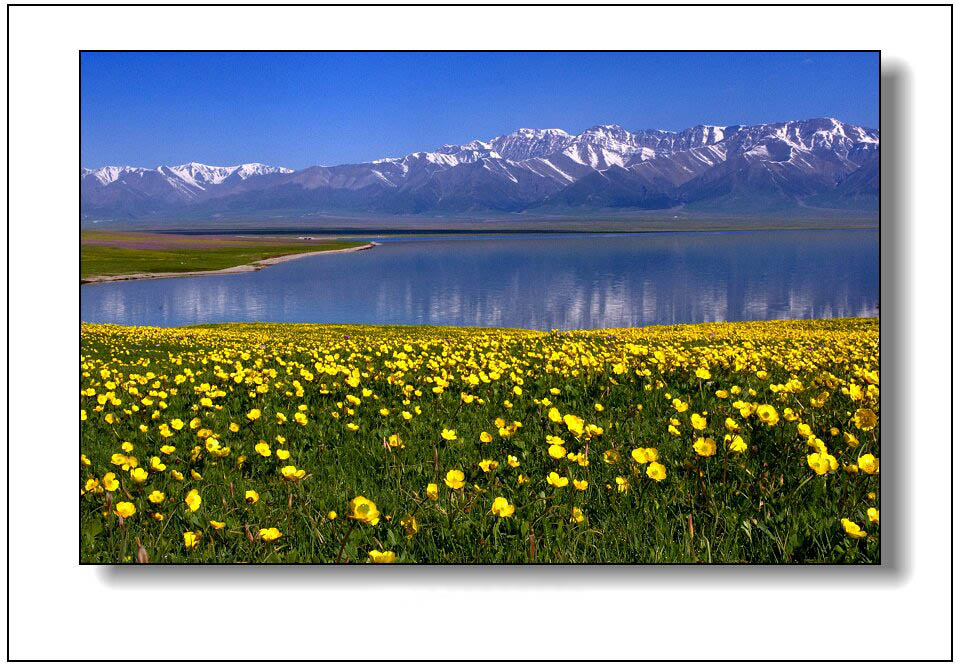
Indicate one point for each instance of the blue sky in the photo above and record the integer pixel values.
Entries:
(302, 109)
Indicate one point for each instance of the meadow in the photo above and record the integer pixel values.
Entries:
(110, 253)
(273, 443)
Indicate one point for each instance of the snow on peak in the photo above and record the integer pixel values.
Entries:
(526, 143)
(109, 174)
(244, 171)
(530, 132)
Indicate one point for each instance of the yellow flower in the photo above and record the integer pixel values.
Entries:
(410, 526)
(156, 497)
(385, 557)
(512, 461)
(868, 463)
(193, 501)
(768, 415)
(611, 456)
(735, 443)
(556, 480)
(195, 475)
(191, 539)
(852, 529)
(448, 434)
(291, 473)
(574, 424)
(486, 437)
(656, 471)
(705, 446)
(598, 407)
(110, 482)
(850, 440)
(270, 534)
(502, 508)
(680, 405)
(363, 510)
(139, 475)
(556, 451)
(394, 442)
(282, 454)
(576, 515)
(454, 479)
(821, 463)
(703, 373)
(698, 422)
(263, 449)
(623, 484)
(217, 525)
(865, 419)
(177, 476)
(125, 509)
(644, 456)
(873, 515)
(332, 515)
(156, 465)
(166, 449)
(489, 465)
(253, 414)
(554, 415)
(580, 485)
(432, 491)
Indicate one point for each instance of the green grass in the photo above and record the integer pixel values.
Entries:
(108, 260)
(763, 505)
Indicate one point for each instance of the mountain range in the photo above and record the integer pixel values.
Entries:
(820, 165)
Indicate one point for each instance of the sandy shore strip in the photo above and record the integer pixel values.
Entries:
(246, 268)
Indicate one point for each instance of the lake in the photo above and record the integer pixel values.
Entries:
(529, 281)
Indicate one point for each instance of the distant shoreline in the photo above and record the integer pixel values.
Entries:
(244, 268)
(472, 230)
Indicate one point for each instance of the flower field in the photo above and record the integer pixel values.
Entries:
(254, 443)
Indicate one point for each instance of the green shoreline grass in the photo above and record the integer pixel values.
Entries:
(104, 260)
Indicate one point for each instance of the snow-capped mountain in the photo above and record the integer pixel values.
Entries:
(818, 163)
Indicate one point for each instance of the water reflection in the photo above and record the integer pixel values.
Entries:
(529, 282)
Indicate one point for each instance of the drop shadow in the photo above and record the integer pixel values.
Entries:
(895, 284)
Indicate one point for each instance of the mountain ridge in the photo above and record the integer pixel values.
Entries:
(738, 169)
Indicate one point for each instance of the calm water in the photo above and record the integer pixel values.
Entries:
(537, 282)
